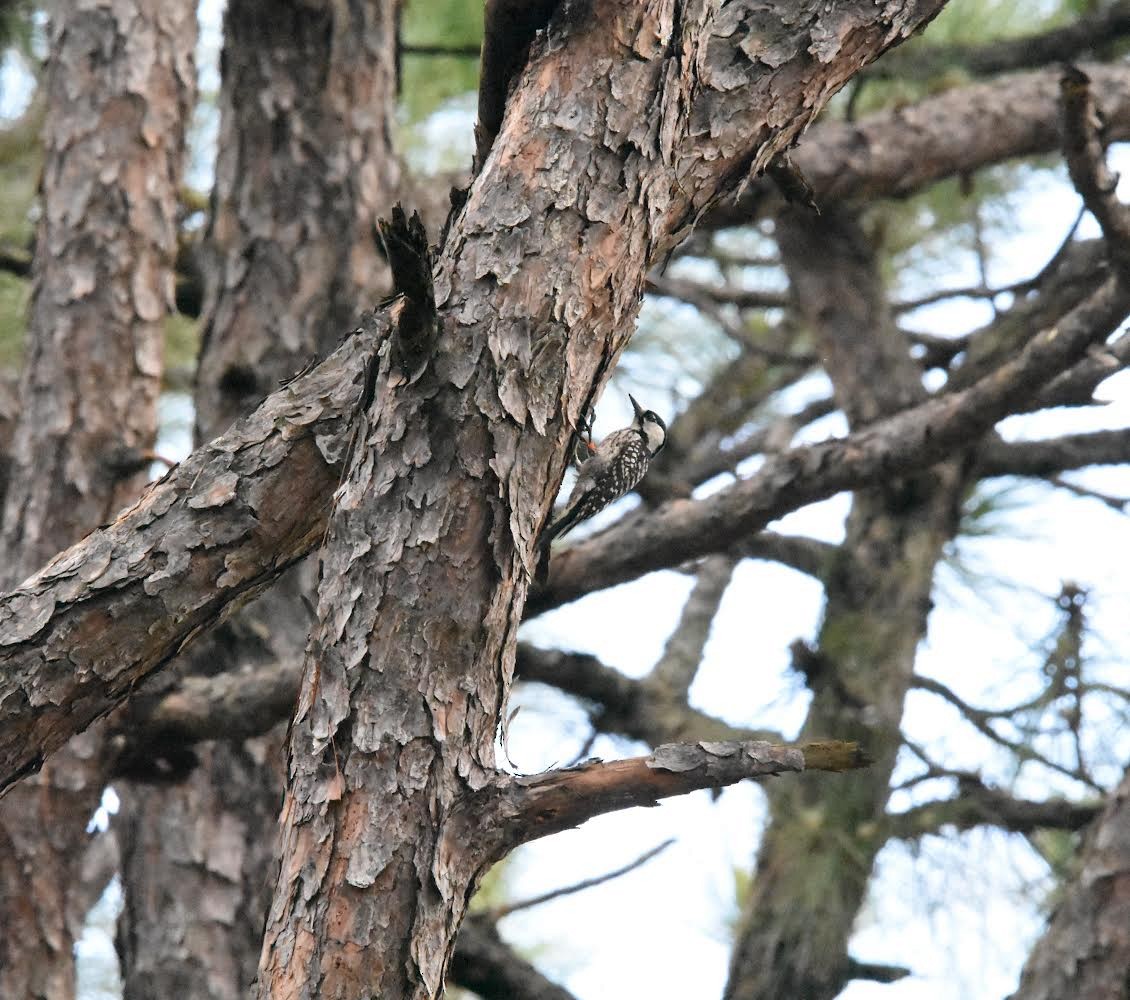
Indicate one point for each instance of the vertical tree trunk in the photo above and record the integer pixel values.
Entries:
(304, 167)
(120, 89)
(815, 860)
(631, 118)
(1085, 951)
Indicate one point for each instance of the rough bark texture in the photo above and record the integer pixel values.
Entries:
(815, 859)
(303, 171)
(121, 85)
(900, 151)
(195, 875)
(305, 166)
(1085, 951)
(214, 532)
(226, 522)
(119, 88)
(428, 558)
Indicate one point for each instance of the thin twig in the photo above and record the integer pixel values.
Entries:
(980, 719)
(524, 904)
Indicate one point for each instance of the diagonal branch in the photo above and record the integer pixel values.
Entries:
(912, 439)
(525, 809)
(1086, 33)
(1086, 163)
(894, 153)
(170, 566)
(525, 904)
(77, 638)
(626, 706)
(1052, 455)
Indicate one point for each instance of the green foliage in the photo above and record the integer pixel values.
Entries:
(495, 889)
(428, 81)
(14, 294)
(17, 25)
(21, 159)
(182, 345)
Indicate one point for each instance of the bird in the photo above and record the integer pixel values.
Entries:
(612, 469)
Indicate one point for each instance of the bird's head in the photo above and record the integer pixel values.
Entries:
(651, 427)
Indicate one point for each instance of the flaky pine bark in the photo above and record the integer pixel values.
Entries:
(178, 560)
(1085, 951)
(429, 555)
(229, 519)
(815, 860)
(121, 85)
(305, 165)
(303, 170)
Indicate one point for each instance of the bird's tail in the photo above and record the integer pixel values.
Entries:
(552, 531)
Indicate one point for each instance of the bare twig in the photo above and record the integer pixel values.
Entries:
(525, 904)
(1115, 503)
(876, 972)
(980, 719)
(697, 292)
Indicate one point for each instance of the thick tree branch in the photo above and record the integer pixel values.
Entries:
(626, 706)
(898, 152)
(77, 638)
(1053, 455)
(526, 809)
(1089, 31)
(915, 438)
(979, 805)
(227, 706)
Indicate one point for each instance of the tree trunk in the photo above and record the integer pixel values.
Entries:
(428, 560)
(1085, 951)
(815, 860)
(304, 167)
(121, 85)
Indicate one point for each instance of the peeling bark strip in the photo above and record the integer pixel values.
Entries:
(415, 321)
(630, 120)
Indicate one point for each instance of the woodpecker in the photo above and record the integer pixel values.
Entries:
(613, 467)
